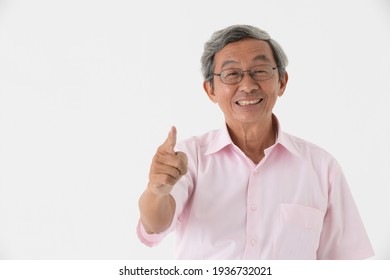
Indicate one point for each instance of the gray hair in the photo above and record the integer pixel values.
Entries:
(235, 33)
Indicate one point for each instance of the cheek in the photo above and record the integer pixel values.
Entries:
(226, 101)
(223, 103)
(275, 92)
(223, 95)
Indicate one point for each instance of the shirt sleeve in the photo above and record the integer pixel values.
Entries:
(149, 239)
(343, 234)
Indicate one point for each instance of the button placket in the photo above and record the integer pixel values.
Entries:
(252, 232)
(254, 242)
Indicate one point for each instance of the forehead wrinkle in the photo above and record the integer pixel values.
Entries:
(260, 57)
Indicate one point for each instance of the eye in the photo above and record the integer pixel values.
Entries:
(259, 71)
(231, 73)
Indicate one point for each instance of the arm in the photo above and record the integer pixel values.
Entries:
(156, 211)
(343, 233)
(157, 206)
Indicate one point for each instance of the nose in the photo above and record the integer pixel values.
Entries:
(247, 83)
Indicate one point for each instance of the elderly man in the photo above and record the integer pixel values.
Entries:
(249, 190)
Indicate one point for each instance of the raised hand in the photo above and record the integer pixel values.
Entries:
(167, 166)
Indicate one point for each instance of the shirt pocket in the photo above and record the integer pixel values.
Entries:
(298, 232)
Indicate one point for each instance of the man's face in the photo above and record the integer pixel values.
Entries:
(248, 101)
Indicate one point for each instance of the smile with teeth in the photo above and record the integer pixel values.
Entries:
(249, 102)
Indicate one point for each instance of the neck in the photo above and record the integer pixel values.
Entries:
(253, 139)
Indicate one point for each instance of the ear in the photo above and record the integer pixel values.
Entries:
(209, 89)
(283, 84)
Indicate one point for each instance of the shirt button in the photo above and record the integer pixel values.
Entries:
(253, 242)
(255, 171)
(253, 207)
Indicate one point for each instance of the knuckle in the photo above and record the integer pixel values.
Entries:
(153, 168)
(177, 173)
(183, 157)
(156, 157)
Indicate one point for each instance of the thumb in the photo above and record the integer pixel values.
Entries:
(170, 142)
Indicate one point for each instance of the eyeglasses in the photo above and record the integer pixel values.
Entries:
(234, 75)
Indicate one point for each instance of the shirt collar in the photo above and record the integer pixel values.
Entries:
(222, 139)
(283, 139)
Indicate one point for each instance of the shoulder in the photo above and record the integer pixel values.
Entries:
(197, 143)
(307, 150)
(303, 146)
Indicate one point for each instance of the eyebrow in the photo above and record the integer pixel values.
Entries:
(262, 57)
(227, 62)
(259, 57)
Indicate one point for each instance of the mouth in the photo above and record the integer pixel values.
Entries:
(244, 103)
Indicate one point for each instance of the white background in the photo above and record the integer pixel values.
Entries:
(89, 89)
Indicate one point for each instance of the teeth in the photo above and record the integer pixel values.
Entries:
(248, 102)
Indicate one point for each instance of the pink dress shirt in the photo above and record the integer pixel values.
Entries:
(294, 204)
